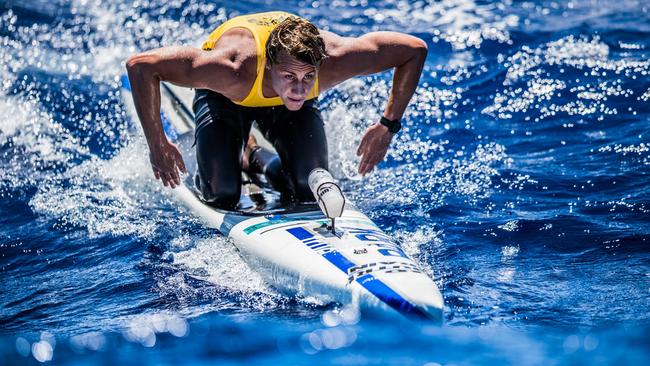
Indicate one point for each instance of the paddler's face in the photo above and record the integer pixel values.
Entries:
(292, 80)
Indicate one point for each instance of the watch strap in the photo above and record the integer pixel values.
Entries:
(393, 125)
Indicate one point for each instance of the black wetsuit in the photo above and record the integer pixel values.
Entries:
(222, 129)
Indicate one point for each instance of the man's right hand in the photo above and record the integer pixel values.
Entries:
(182, 66)
(167, 161)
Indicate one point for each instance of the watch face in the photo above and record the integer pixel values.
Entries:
(395, 127)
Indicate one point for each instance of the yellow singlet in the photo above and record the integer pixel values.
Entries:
(261, 25)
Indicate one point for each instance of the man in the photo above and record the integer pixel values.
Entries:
(268, 68)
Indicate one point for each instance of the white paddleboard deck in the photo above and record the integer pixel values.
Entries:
(292, 247)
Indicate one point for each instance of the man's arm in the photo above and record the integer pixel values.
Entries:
(371, 53)
(184, 66)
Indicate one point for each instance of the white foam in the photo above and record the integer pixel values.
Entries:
(639, 149)
(510, 226)
(462, 23)
(468, 177)
(216, 259)
(27, 125)
(359, 107)
(104, 196)
(529, 65)
(509, 251)
(423, 245)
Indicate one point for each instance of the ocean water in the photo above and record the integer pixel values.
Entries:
(520, 182)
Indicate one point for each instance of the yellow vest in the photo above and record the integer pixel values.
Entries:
(261, 25)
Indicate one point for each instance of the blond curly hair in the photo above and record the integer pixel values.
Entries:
(299, 38)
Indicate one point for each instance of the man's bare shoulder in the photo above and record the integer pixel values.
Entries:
(237, 41)
(236, 48)
(367, 54)
(340, 54)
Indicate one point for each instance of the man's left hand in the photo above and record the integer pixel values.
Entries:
(373, 147)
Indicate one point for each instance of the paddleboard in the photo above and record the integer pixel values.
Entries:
(293, 247)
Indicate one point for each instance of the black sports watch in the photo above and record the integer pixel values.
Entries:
(393, 125)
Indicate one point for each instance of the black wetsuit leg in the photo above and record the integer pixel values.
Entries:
(267, 163)
(300, 140)
(220, 134)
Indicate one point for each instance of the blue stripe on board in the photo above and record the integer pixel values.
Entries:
(369, 282)
(319, 246)
(300, 233)
(390, 297)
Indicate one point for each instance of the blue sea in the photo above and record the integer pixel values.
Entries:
(520, 182)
